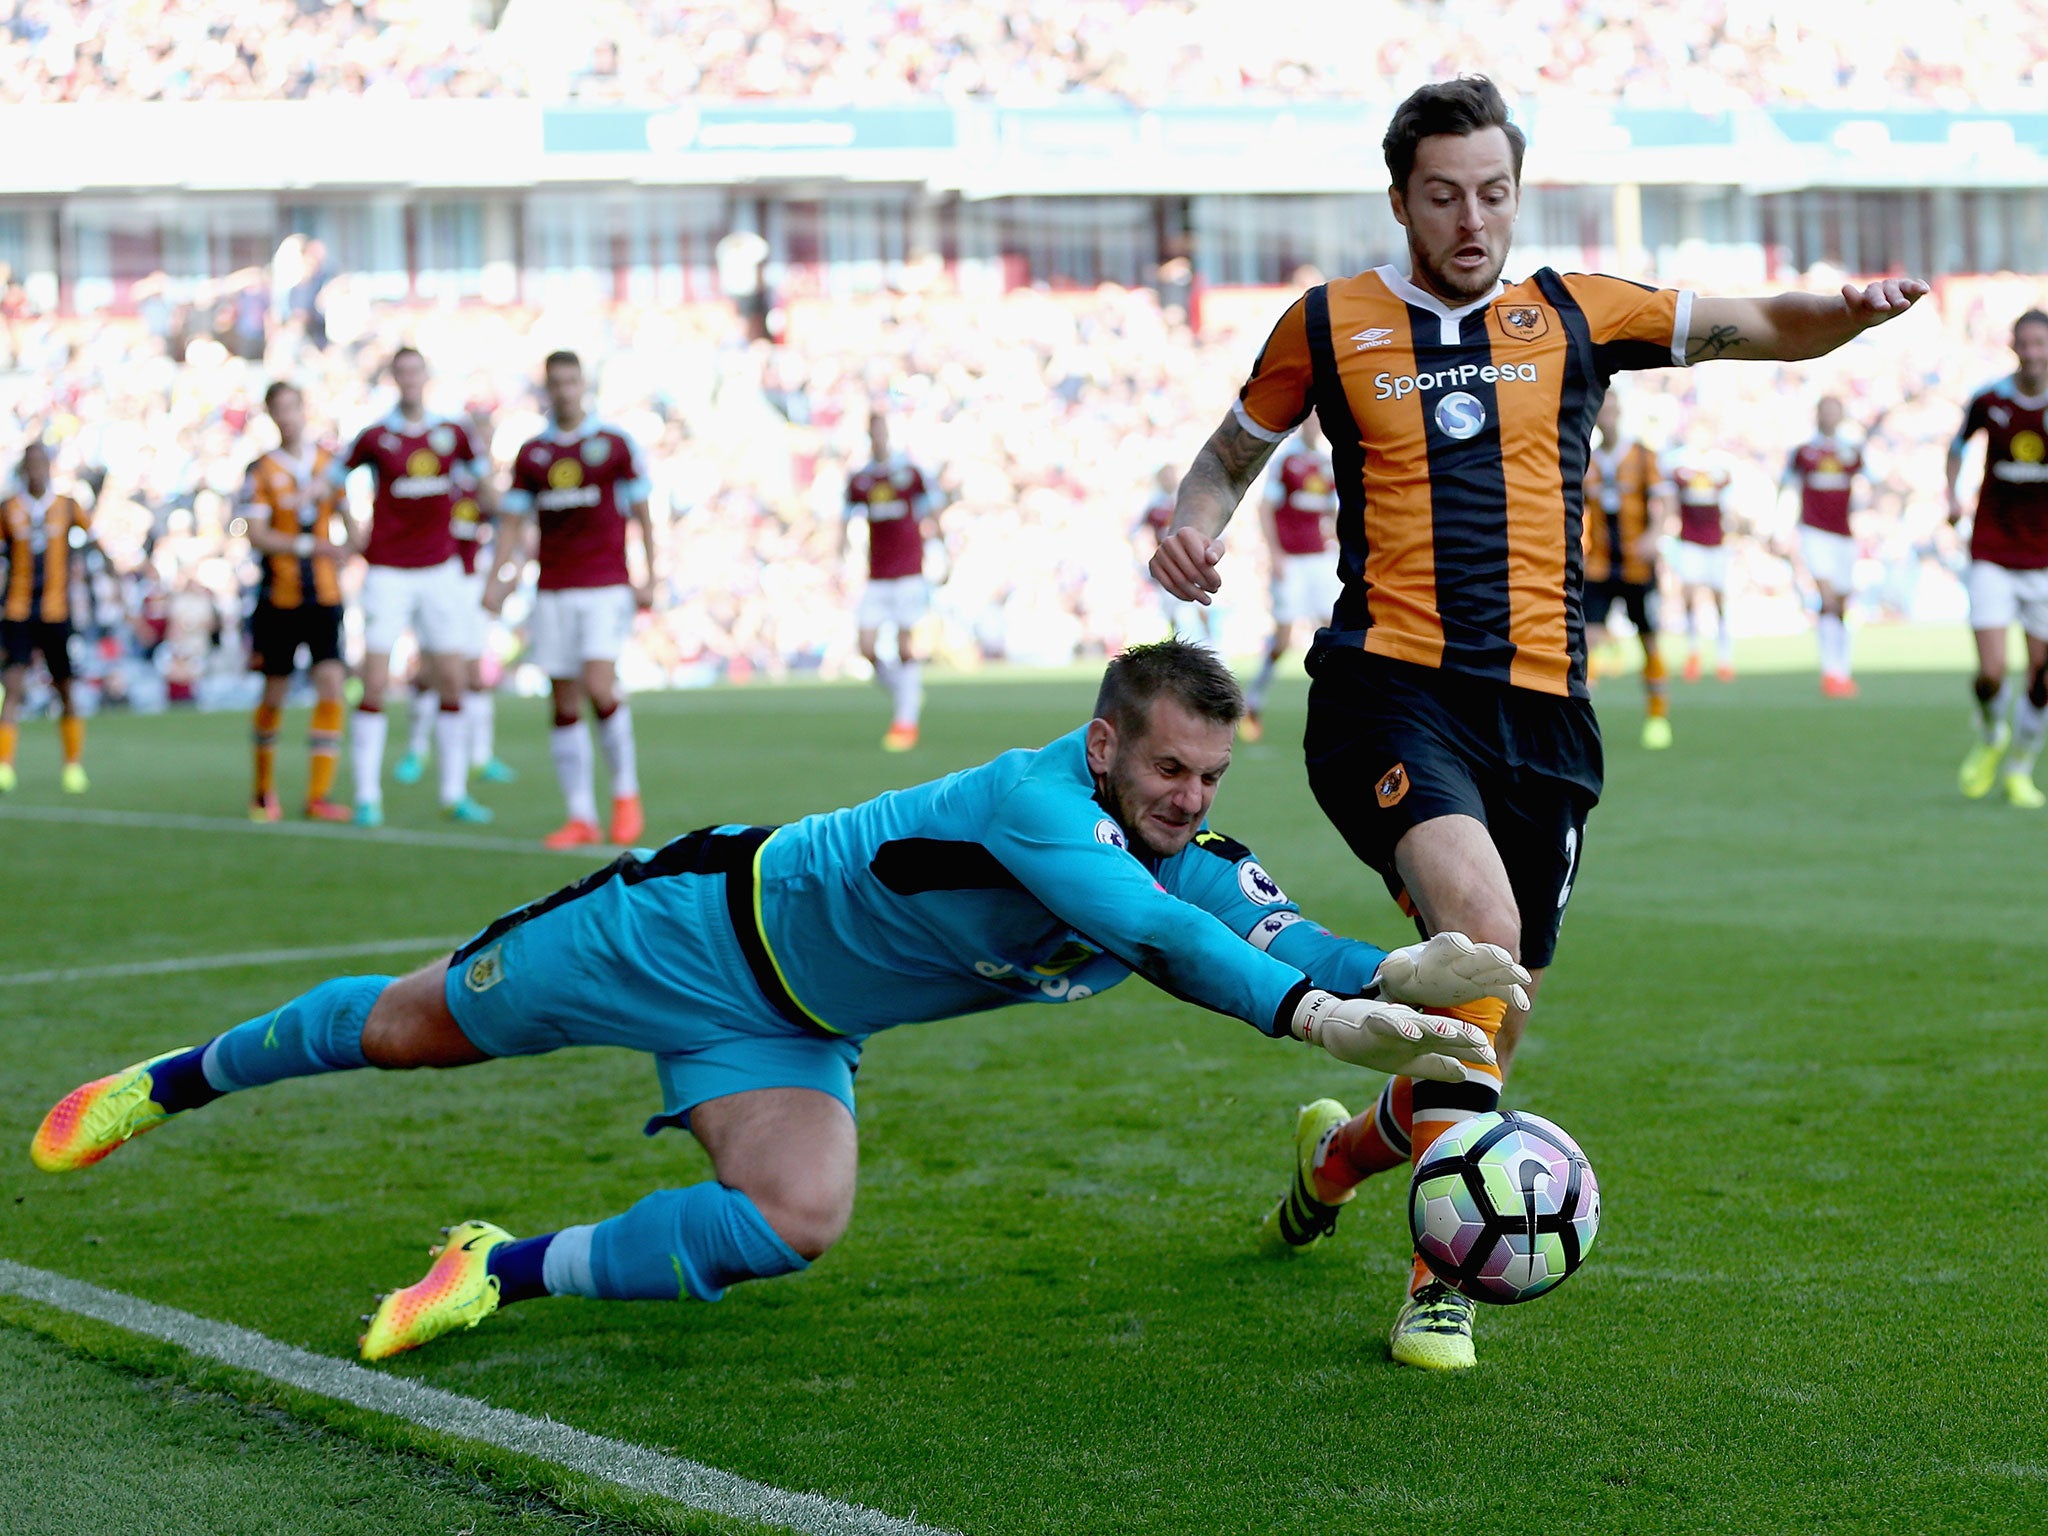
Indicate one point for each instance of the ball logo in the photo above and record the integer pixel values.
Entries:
(1460, 415)
(2027, 447)
(422, 465)
(1107, 831)
(565, 475)
(1257, 885)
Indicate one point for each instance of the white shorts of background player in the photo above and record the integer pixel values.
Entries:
(1700, 565)
(574, 625)
(1830, 558)
(2000, 596)
(433, 601)
(1305, 588)
(898, 600)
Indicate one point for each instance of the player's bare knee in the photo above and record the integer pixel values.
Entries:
(810, 1217)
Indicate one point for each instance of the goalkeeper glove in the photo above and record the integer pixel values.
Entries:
(1387, 1037)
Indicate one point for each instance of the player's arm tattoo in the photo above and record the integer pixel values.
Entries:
(1718, 342)
(1221, 474)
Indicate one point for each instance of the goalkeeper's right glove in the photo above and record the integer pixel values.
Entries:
(1388, 1037)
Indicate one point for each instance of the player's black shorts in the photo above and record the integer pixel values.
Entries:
(20, 639)
(275, 635)
(1391, 744)
(1638, 600)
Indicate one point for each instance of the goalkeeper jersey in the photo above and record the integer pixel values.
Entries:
(1010, 883)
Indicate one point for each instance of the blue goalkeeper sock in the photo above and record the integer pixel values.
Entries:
(675, 1243)
(320, 1031)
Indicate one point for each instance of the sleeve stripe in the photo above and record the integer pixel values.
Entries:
(1262, 434)
(1681, 327)
(1270, 928)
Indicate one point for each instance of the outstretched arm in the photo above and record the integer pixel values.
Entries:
(1210, 491)
(1792, 326)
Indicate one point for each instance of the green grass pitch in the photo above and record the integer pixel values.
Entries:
(1796, 1022)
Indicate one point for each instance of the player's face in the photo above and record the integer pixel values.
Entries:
(35, 469)
(1459, 210)
(2030, 346)
(565, 391)
(878, 439)
(1311, 435)
(1159, 786)
(1828, 415)
(409, 373)
(1609, 422)
(288, 410)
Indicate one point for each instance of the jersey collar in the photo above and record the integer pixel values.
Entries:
(1448, 320)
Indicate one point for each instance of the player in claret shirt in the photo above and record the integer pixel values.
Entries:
(1823, 470)
(1450, 739)
(1699, 556)
(583, 482)
(1300, 510)
(422, 465)
(892, 496)
(2009, 565)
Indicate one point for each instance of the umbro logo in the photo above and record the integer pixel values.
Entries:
(1378, 336)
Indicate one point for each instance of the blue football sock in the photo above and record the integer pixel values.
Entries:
(180, 1082)
(521, 1268)
(693, 1242)
(320, 1031)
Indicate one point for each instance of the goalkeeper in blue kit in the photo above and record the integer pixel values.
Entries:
(752, 962)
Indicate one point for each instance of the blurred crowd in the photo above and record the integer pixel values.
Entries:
(1043, 418)
(1979, 55)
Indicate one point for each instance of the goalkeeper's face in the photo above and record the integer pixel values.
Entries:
(1159, 785)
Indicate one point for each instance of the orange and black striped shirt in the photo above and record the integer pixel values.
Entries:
(1460, 438)
(296, 497)
(39, 548)
(1620, 488)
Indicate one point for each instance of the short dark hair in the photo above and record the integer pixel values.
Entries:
(2031, 317)
(1468, 104)
(408, 350)
(561, 357)
(278, 387)
(1179, 669)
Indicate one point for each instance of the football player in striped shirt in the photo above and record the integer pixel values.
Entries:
(1450, 739)
(42, 530)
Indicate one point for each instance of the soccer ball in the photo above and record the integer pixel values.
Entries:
(1504, 1206)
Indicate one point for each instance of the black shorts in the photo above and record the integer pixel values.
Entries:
(1391, 744)
(275, 635)
(20, 639)
(1638, 600)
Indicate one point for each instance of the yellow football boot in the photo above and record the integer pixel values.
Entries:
(2022, 791)
(1434, 1330)
(458, 1292)
(1980, 769)
(88, 1123)
(1656, 733)
(1302, 1218)
(73, 779)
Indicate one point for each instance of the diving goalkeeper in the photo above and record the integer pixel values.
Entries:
(752, 962)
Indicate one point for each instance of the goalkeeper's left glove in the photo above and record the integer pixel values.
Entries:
(1448, 970)
(1388, 1037)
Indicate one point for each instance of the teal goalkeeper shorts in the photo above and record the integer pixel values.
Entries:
(648, 963)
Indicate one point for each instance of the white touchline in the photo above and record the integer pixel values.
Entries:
(400, 836)
(228, 962)
(616, 1461)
